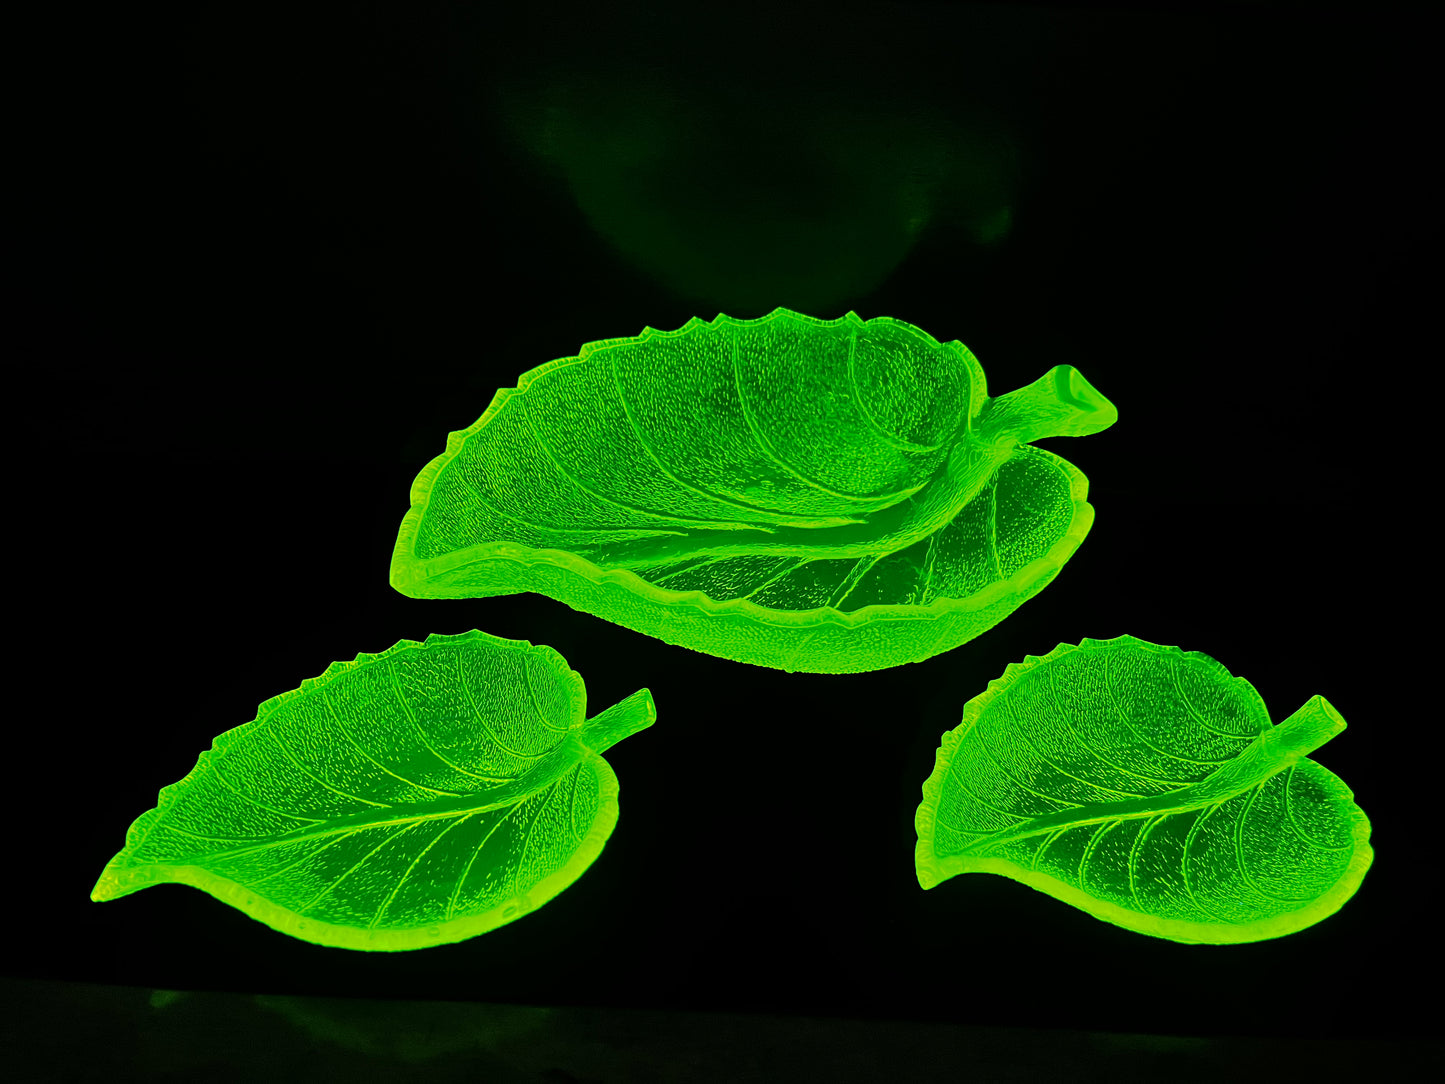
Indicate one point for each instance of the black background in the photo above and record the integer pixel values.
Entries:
(298, 249)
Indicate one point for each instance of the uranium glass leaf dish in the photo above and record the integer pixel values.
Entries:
(424, 795)
(1147, 786)
(829, 496)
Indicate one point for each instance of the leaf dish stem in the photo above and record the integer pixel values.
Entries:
(1061, 403)
(626, 717)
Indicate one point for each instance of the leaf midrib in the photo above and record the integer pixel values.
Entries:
(559, 763)
(1217, 787)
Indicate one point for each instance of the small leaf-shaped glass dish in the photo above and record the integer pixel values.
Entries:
(830, 496)
(1147, 786)
(417, 797)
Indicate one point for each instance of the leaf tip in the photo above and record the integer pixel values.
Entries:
(116, 881)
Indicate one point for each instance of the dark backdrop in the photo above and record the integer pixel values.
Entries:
(301, 248)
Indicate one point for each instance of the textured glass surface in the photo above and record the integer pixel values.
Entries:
(818, 495)
(423, 795)
(1147, 786)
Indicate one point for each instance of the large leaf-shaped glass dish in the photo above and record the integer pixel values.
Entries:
(1147, 786)
(829, 496)
(420, 796)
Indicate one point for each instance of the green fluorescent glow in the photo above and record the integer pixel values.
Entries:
(829, 496)
(420, 796)
(1148, 787)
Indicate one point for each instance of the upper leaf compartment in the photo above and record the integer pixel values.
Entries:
(417, 797)
(820, 495)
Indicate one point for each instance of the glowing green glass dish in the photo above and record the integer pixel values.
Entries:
(829, 496)
(1148, 787)
(420, 796)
